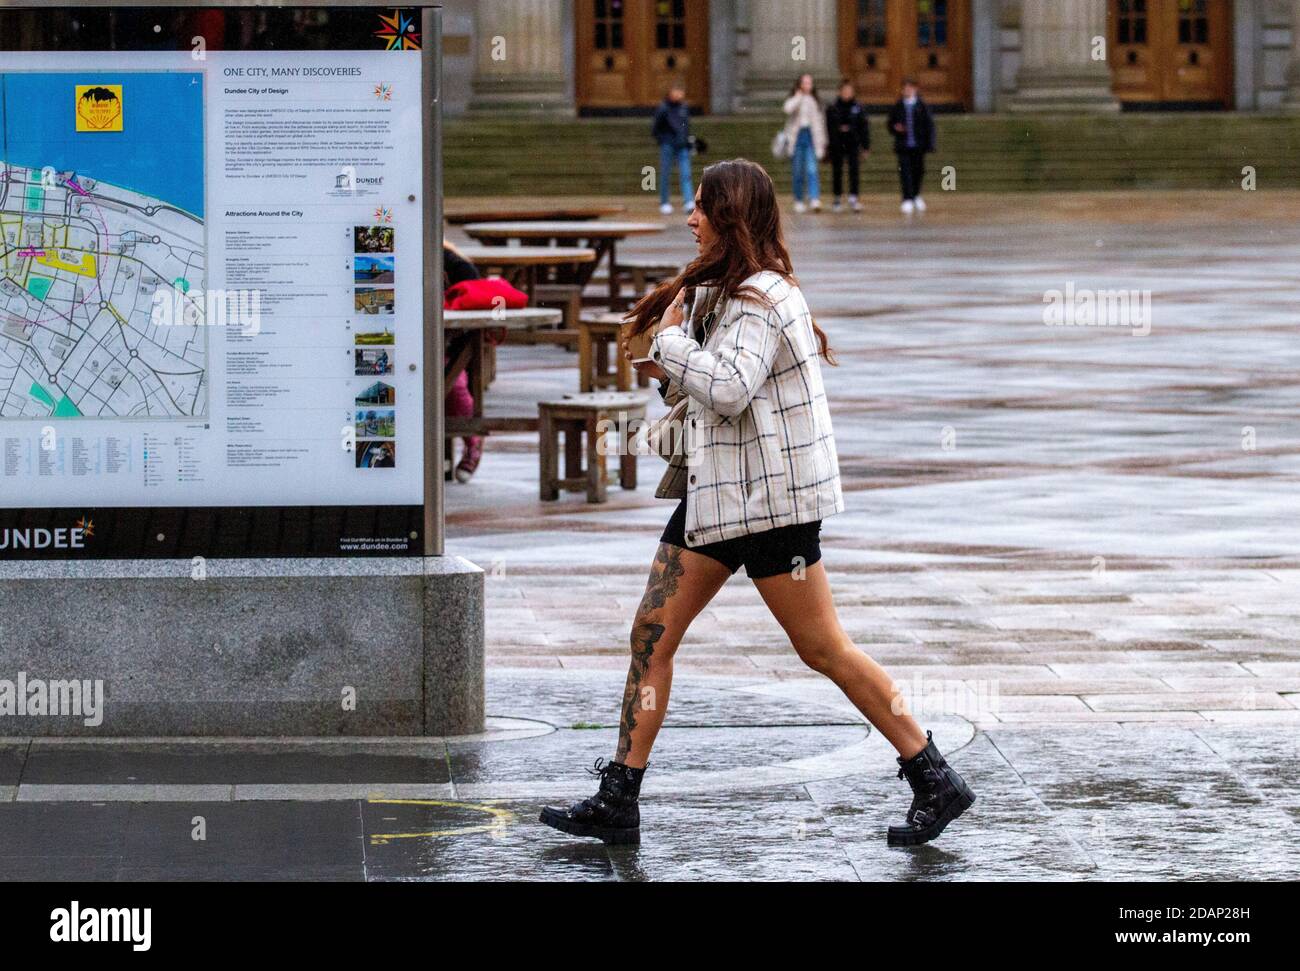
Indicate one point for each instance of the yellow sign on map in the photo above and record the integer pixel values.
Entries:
(99, 107)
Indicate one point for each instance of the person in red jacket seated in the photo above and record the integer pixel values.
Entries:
(459, 402)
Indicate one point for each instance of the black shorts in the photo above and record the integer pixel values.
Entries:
(763, 554)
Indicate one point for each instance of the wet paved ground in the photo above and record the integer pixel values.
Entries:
(752, 780)
(1056, 542)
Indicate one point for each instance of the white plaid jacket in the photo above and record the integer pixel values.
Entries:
(759, 452)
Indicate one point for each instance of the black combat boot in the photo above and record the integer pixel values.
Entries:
(611, 814)
(939, 795)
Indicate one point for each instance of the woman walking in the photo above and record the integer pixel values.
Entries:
(758, 472)
(805, 133)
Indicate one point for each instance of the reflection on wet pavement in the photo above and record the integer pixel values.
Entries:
(1111, 803)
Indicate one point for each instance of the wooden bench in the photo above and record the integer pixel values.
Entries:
(577, 416)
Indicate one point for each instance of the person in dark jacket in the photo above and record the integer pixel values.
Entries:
(672, 130)
(850, 137)
(912, 126)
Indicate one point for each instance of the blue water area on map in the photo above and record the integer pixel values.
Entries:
(158, 153)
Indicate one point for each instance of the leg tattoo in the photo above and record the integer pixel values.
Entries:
(664, 573)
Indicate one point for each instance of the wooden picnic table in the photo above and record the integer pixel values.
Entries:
(466, 348)
(603, 236)
(468, 213)
(521, 265)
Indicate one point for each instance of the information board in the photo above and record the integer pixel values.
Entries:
(212, 283)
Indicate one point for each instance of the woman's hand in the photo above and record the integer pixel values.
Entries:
(675, 315)
(648, 368)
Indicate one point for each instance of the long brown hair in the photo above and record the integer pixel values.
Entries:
(740, 201)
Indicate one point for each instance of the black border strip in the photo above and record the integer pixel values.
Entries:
(242, 28)
(217, 531)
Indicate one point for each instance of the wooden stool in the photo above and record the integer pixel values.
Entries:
(574, 416)
(565, 296)
(597, 340)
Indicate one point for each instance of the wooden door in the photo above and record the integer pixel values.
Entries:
(629, 51)
(884, 41)
(1198, 62)
(1172, 51)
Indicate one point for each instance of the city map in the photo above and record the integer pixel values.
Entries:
(82, 255)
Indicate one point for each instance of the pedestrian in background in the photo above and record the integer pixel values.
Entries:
(672, 130)
(805, 134)
(850, 140)
(912, 125)
(459, 402)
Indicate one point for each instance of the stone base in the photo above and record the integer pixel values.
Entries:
(271, 647)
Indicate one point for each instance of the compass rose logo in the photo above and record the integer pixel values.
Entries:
(399, 32)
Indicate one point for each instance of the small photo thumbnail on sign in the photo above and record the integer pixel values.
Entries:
(373, 239)
(374, 338)
(376, 455)
(372, 269)
(376, 423)
(373, 362)
(377, 394)
(373, 301)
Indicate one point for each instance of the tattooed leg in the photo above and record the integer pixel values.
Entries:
(681, 584)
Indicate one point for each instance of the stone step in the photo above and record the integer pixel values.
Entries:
(996, 153)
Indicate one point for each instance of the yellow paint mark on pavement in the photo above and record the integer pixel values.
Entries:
(501, 817)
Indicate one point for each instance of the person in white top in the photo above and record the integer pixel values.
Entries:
(735, 342)
(806, 139)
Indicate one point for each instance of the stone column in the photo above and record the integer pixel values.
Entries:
(519, 57)
(786, 40)
(1057, 70)
(1292, 101)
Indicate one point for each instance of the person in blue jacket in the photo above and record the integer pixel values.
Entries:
(672, 130)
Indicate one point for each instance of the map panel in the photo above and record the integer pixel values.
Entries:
(101, 227)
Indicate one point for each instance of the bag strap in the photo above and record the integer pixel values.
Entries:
(699, 314)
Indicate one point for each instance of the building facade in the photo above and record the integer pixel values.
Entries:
(593, 57)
